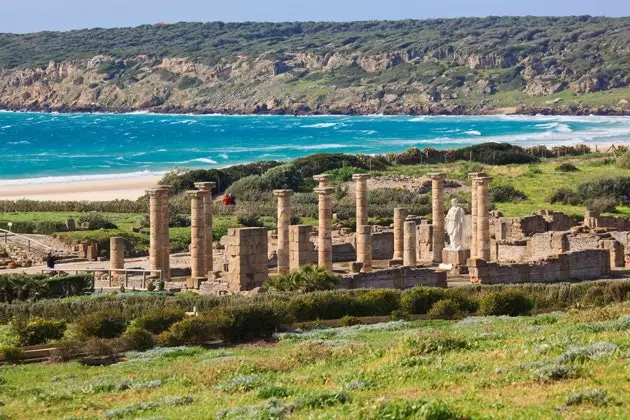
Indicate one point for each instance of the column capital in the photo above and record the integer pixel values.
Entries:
(438, 176)
(283, 193)
(473, 175)
(360, 177)
(324, 190)
(154, 192)
(195, 194)
(205, 186)
(485, 180)
(322, 178)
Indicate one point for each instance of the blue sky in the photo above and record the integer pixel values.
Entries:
(36, 15)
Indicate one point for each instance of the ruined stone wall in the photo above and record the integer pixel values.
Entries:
(301, 248)
(594, 220)
(515, 228)
(247, 255)
(382, 248)
(579, 265)
(395, 278)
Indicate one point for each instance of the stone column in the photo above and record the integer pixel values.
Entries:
(483, 218)
(155, 229)
(324, 241)
(474, 208)
(400, 215)
(361, 197)
(284, 221)
(364, 247)
(165, 242)
(438, 216)
(207, 187)
(409, 255)
(116, 253)
(323, 179)
(197, 238)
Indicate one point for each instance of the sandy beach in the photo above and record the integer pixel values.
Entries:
(97, 190)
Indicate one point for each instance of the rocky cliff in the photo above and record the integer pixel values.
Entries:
(583, 74)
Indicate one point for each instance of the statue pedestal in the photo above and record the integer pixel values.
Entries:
(456, 258)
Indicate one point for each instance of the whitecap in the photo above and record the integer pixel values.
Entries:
(224, 156)
(6, 126)
(203, 160)
(473, 133)
(13, 143)
(319, 125)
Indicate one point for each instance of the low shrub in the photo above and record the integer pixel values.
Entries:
(554, 372)
(567, 167)
(306, 279)
(192, 330)
(419, 300)
(102, 324)
(281, 177)
(247, 322)
(249, 188)
(137, 339)
(566, 196)
(11, 353)
(348, 321)
(445, 309)
(344, 174)
(418, 345)
(159, 320)
(248, 219)
(96, 221)
(65, 351)
(623, 161)
(39, 331)
(511, 302)
(602, 204)
(506, 194)
(99, 347)
(597, 397)
(378, 302)
(322, 400)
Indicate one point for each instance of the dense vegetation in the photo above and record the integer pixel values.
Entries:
(453, 61)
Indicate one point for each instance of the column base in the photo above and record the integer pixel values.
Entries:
(455, 260)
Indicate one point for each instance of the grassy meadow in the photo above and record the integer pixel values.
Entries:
(555, 365)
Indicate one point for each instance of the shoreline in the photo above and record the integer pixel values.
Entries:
(125, 186)
(130, 188)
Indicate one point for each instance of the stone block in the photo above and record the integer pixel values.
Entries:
(455, 257)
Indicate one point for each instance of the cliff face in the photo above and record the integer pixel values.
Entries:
(468, 71)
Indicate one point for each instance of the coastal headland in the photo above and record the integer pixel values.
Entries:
(470, 66)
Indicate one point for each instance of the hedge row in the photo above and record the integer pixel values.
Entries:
(23, 287)
(323, 305)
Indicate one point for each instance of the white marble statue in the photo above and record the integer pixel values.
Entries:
(455, 225)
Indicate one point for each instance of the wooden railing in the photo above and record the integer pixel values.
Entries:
(25, 241)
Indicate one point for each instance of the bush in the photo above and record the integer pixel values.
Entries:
(445, 309)
(419, 300)
(322, 162)
(39, 331)
(623, 161)
(602, 205)
(103, 324)
(137, 339)
(565, 196)
(65, 351)
(99, 347)
(248, 219)
(306, 279)
(247, 322)
(283, 177)
(249, 188)
(96, 221)
(11, 354)
(567, 167)
(348, 321)
(495, 154)
(509, 302)
(344, 174)
(505, 194)
(31, 287)
(192, 330)
(159, 320)
(378, 302)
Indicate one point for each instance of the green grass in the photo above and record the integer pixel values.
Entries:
(537, 186)
(572, 365)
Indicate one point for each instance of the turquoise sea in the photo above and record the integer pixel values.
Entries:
(39, 147)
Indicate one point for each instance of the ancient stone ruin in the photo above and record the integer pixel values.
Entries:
(466, 245)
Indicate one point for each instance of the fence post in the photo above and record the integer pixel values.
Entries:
(126, 279)
(29, 245)
(144, 279)
(110, 278)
